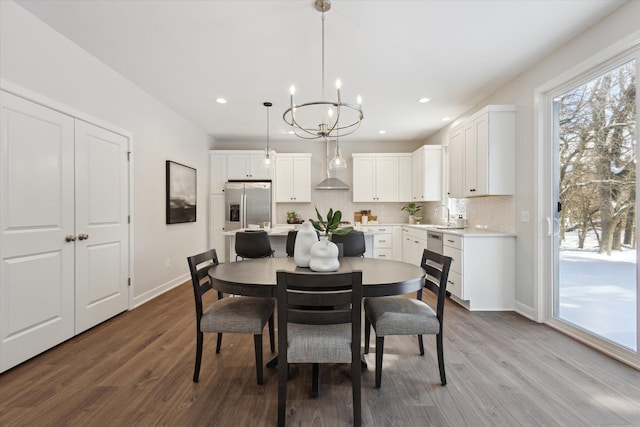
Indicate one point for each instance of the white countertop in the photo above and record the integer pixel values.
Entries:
(283, 230)
(470, 232)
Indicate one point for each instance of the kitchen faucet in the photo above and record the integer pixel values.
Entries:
(448, 214)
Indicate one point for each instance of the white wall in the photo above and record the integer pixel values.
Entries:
(35, 57)
(619, 25)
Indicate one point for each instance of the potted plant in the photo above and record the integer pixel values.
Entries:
(412, 208)
(324, 254)
(291, 217)
(331, 225)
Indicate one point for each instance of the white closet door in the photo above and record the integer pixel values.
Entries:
(102, 248)
(36, 214)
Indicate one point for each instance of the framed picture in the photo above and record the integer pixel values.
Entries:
(181, 193)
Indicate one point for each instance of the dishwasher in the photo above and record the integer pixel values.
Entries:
(434, 242)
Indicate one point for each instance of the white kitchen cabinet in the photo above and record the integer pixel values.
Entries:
(382, 241)
(456, 163)
(217, 172)
(375, 177)
(481, 154)
(248, 165)
(293, 178)
(216, 225)
(427, 174)
(405, 178)
(482, 272)
(414, 242)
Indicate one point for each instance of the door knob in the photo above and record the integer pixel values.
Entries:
(70, 238)
(83, 236)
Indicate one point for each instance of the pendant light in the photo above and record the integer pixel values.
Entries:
(338, 162)
(267, 161)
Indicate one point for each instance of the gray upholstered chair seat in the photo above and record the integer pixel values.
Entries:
(238, 315)
(400, 316)
(319, 343)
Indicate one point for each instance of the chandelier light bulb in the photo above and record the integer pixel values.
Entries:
(359, 100)
(338, 84)
(292, 90)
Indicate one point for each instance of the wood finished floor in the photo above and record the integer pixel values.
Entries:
(136, 370)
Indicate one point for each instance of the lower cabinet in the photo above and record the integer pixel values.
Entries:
(482, 272)
(414, 242)
(382, 242)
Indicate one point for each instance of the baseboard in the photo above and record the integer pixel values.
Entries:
(526, 311)
(151, 294)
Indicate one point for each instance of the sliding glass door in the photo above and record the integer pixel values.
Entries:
(592, 219)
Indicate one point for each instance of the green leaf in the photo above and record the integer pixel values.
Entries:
(316, 225)
(337, 217)
(343, 231)
(330, 216)
(319, 216)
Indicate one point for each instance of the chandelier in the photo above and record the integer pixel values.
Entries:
(335, 117)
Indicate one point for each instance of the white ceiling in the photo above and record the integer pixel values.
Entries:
(187, 53)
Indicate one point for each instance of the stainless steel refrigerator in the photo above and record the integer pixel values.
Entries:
(247, 203)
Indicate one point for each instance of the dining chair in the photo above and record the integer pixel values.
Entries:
(291, 242)
(253, 244)
(352, 243)
(319, 322)
(410, 316)
(242, 315)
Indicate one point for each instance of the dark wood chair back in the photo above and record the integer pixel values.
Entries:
(437, 269)
(199, 266)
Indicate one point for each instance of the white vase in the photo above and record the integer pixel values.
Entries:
(305, 238)
(324, 256)
(412, 219)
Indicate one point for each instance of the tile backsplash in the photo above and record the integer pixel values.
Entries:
(494, 213)
(341, 200)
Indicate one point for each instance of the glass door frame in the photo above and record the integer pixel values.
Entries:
(546, 179)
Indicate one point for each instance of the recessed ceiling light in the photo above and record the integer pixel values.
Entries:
(221, 100)
(446, 119)
(423, 100)
(382, 132)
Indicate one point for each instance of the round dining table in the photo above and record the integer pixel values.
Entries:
(257, 277)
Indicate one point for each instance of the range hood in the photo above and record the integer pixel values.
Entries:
(331, 182)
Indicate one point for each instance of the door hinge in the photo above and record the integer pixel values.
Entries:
(128, 219)
(128, 281)
(559, 207)
(128, 156)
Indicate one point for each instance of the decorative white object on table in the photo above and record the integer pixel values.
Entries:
(324, 255)
(305, 238)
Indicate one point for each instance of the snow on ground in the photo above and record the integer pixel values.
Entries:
(598, 292)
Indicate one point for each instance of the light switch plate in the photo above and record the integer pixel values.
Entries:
(524, 216)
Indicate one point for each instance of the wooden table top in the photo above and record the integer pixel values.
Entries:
(257, 277)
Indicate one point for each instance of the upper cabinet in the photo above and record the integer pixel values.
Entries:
(217, 172)
(376, 177)
(247, 165)
(236, 165)
(293, 178)
(481, 154)
(427, 174)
